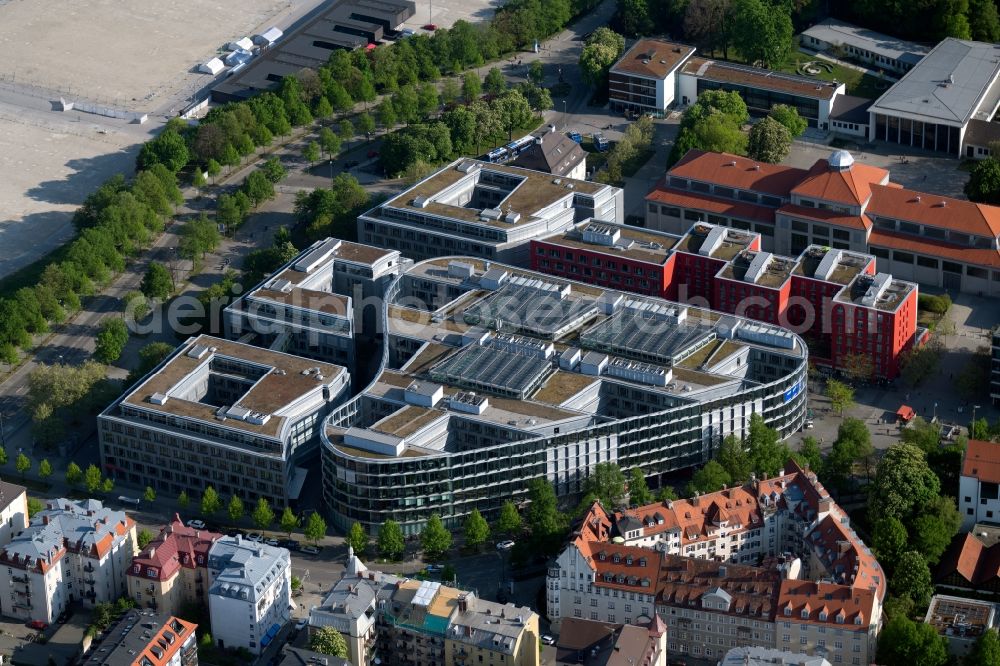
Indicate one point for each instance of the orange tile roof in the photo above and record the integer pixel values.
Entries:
(852, 186)
(972, 560)
(982, 461)
(728, 207)
(745, 174)
(167, 647)
(754, 590)
(827, 216)
(177, 545)
(836, 601)
(845, 557)
(625, 567)
(932, 248)
(936, 211)
(652, 58)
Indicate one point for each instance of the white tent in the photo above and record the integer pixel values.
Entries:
(268, 37)
(245, 44)
(213, 67)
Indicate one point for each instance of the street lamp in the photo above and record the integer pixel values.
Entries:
(934, 418)
(564, 114)
(974, 408)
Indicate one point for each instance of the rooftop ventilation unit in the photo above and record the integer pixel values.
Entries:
(601, 234)
(461, 270)
(520, 344)
(468, 402)
(642, 373)
(491, 213)
(467, 166)
(421, 202)
(197, 351)
(876, 289)
(158, 399)
(712, 241)
(511, 217)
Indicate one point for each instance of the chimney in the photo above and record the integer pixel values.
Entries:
(152, 551)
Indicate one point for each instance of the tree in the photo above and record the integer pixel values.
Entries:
(708, 24)
(288, 521)
(903, 482)
(345, 130)
(543, 518)
(274, 170)
(857, 367)
(22, 464)
(322, 108)
(329, 141)
(258, 188)
(769, 141)
(985, 24)
(386, 113)
(434, 538)
(762, 32)
(311, 152)
(714, 132)
(708, 479)
(840, 394)
(150, 356)
(912, 578)
(477, 530)
(790, 118)
(315, 528)
(984, 182)
(666, 494)
(450, 92)
(157, 282)
(922, 434)
(809, 455)
(168, 149)
(366, 124)
(428, 100)
(149, 494)
(767, 455)
(92, 479)
(979, 429)
(509, 522)
(494, 83)
(986, 649)
(734, 459)
(107, 485)
(198, 179)
(44, 469)
(634, 17)
(74, 475)
(935, 528)
(918, 364)
(390, 540)
(890, 540)
(111, 340)
(235, 509)
(357, 539)
(903, 641)
(199, 237)
(183, 499)
(143, 538)
(327, 640)
(853, 444)
(213, 168)
(210, 502)
(595, 61)
(536, 73)
(606, 483)
(263, 515)
(472, 87)
(638, 490)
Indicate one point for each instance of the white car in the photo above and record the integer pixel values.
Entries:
(255, 537)
(272, 542)
(505, 545)
(196, 524)
(809, 424)
(309, 550)
(548, 639)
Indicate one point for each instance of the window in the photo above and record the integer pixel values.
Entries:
(841, 234)
(927, 262)
(904, 257)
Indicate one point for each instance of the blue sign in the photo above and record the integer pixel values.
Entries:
(793, 391)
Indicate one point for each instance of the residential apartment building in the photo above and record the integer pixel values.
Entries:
(318, 304)
(773, 564)
(644, 80)
(995, 366)
(216, 412)
(484, 210)
(960, 621)
(605, 644)
(940, 242)
(832, 298)
(472, 400)
(172, 570)
(251, 591)
(72, 551)
(979, 484)
(757, 656)
(394, 621)
(146, 638)
(13, 511)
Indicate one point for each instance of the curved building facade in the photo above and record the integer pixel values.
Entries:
(493, 375)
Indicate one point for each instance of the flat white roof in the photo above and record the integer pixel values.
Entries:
(833, 31)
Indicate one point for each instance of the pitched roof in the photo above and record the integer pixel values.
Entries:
(970, 559)
(809, 601)
(936, 211)
(176, 546)
(738, 172)
(827, 216)
(851, 186)
(728, 207)
(553, 153)
(933, 248)
(982, 461)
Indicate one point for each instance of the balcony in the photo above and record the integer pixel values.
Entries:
(89, 567)
(89, 580)
(20, 579)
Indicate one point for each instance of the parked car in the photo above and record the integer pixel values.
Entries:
(309, 550)
(255, 537)
(434, 568)
(505, 545)
(290, 544)
(272, 542)
(431, 26)
(809, 424)
(39, 625)
(547, 639)
(196, 524)
(372, 153)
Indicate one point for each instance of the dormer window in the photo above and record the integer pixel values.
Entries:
(628, 560)
(788, 611)
(602, 557)
(857, 620)
(805, 614)
(617, 558)
(822, 617)
(840, 619)
(642, 561)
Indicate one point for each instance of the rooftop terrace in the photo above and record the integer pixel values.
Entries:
(839, 266)
(716, 242)
(880, 292)
(760, 268)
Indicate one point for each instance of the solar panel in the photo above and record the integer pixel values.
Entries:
(529, 310)
(639, 335)
(494, 370)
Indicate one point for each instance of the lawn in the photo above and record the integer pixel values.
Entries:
(858, 84)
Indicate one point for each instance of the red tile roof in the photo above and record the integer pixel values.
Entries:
(754, 590)
(827, 216)
(177, 545)
(936, 211)
(932, 248)
(970, 559)
(808, 601)
(852, 186)
(738, 209)
(652, 58)
(982, 461)
(745, 174)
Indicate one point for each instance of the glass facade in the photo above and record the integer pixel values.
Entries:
(906, 132)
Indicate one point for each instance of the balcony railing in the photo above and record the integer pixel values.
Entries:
(89, 568)
(19, 579)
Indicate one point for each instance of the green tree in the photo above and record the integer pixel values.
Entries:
(210, 502)
(329, 141)
(92, 479)
(34, 506)
(918, 364)
(315, 528)
(853, 445)
(22, 464)
(713, 132)
(634, 17)
(74, 475)
(809, 455)
(143, 538)
(235, 509)
(386, 113)
(708, 479)
(983, 185)
(762, 32)
(890, 541)
(183, 499)
(168, 149)
(766, 453)
(638, 490)
(509, 522)
(903, 482)
(345, 130)
(734, 459)
(322, 108)
(262, 515)
(198, 179)
(903, 641)
(274, 170)
(111, 340)
(979, 429)
(434, 538)
(107, 485)
(150, 356)
(985, 24)
(536, 73)
(428, 100)
(986, 649)
(606, 483)
(494, 83)
(149, 494)
(450, 92)
(912, 578)
(157, 282)
(666, 494)
(543, 517)
(921, 433)
(213, 168)
(934, 529)
(366, 124)
(258, 188)
(357, 538)
(790, 118)
(327, 640)
(769, 141)
(595, 61)
(288, 521)
(311, 152)
(390, 540)
(199, 237)
(840, 394)
(472, 87)
(44, 469)
(477, 530)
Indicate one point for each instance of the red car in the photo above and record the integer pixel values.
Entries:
(431, 26)
(38, 624)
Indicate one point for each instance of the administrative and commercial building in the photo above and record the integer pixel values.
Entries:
(495, 375)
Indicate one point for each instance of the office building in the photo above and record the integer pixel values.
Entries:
(145, 638)
(979, 484)
(773, 563)
(495, 375)
(940, 242)
(822, 295)
(880, 51)
(484, 210)
(224, 414)
(250, 595)
(72, 551)
(960, 621)
(644, 80)
(172, 570)
(13, 511)
(390, 620)
(605, 644)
